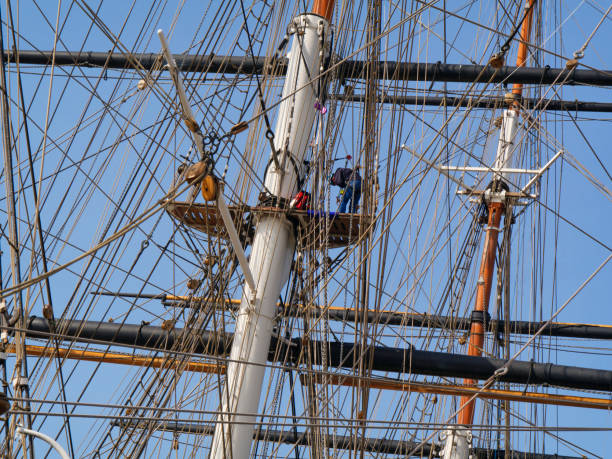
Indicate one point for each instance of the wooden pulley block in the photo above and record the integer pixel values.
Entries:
(195, 171)
(210, 187)
(571, 64)
(497, 60)
(193, 284)
(168, 325)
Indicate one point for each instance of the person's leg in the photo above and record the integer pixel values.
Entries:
(356, 196)
(348, 191)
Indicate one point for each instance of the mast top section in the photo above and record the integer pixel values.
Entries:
(323, 8)
(521, 58)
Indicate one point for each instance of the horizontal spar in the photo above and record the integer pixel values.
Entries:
(186, 364)
(411, 319)
(162, 338)
(484, 102)
(431, 363)
(373, 445)
(121, 359)
(340, 355)
(461, 390)
(519, 327)
(404, 71)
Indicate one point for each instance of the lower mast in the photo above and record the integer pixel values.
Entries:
(274, 241)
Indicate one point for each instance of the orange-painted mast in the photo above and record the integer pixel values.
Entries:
(521, 58)
(324, 8)
(483, 293)
(496, 208)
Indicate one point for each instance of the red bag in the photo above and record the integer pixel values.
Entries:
(301, 201)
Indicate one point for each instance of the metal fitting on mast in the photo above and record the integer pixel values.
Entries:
(457, 443)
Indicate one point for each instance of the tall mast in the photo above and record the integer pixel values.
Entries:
(458, 439)
(274, 240)
(20, 381)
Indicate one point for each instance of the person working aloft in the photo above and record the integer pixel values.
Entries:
(350, 180)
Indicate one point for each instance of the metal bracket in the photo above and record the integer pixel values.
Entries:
(500, 372)
(444, 170)
(19, 381)
(300, 25)
(541, 171)
(495, 196)
(320, 28)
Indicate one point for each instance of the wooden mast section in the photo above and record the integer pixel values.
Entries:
(496, 207)
(323, 8)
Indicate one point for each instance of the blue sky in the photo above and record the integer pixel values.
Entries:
(551, 258)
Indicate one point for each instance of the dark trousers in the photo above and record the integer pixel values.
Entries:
(352, 193)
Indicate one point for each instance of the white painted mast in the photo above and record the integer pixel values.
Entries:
(274, 240)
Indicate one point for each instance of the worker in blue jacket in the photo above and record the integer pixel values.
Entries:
(350, 180)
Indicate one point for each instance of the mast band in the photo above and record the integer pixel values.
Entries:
(480, 316)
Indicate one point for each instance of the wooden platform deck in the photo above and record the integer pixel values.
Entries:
(343, 230)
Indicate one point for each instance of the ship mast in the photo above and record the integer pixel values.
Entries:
(458, 438)
(274, 240)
